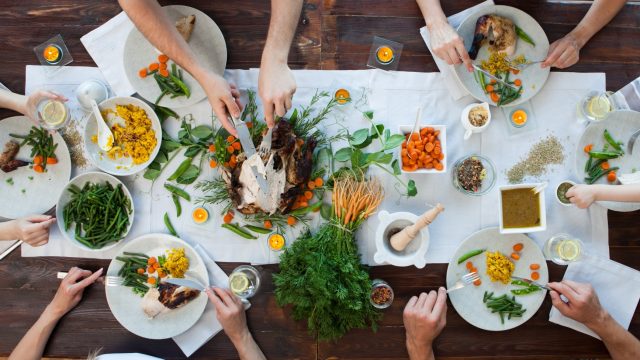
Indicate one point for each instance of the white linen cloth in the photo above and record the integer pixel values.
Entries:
(393, 96)
(629, 96)
(105, 45)
(456, 90)
(617, 286)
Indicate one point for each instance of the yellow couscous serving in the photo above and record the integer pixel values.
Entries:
(499, 267)
(136, 139)
(177, 262)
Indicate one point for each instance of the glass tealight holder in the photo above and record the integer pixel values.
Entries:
(381, 296)
(53, 53)
(384, 54)
(520, 119)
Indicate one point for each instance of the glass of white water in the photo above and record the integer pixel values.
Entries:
(563, 249)
(244, 281)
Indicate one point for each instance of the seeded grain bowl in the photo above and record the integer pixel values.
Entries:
(473, 175)
(137, 133)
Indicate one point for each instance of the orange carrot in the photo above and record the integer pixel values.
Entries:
(534, 266)
(535, 275)
(231, 139)
(477, 282)
(38, 168)
(140, 271)
(142, 73)
(517, 82)
(518, 247)
(212, 148)
(469, 265)
(151, 280)
(489, 88)
(515, 256)
(291, 220)
(611, 177)
(52, 161)
(152, 260)
(318, 181)
(154, 66)
(163, 73)
(213, 163)
(588, 148)
(495, 97)
(227, 218)
(268, 224)
(311, 185)
(308, 195)
(515, 72)
(162, 58)
(151, 269)
(38, 160)
(230, 149)
(237, 146)
(605, 165)
(249, 124)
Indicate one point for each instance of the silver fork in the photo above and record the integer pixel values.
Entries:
(108, 280)
(521, 67)
(265, 145)
(467, 279)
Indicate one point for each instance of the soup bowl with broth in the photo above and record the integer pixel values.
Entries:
(521, 211)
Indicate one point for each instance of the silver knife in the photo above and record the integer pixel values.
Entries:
(249, 149)
(531, 282)
(185, 282)
(493, 77)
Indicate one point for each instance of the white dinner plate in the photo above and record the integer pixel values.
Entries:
(621, 125)
(468, 300)
(533, 77)
(122, 166)
(126, 305)
(41, 190)
(206, 42)
(65, 197)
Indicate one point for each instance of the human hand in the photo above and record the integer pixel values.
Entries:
(223, 97)
(424, 318)
(230, 312)
(583, 304)
(32, 101)
(582, 195)
(448, 45)
(276, 86)
(563, 52)
(34, 229)
(71, 289)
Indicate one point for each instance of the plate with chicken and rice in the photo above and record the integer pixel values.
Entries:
(507, 44)
(144, 302)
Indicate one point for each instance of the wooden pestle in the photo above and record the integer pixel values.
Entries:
(400, 240)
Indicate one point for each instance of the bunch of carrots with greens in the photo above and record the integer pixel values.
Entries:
(170, 83)
(598, 165)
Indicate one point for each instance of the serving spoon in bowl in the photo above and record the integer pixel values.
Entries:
(105, 136)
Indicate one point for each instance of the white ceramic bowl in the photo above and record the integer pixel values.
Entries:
(65, 197)
(543, 211)
(122, 166)
(556, 193)
(413, 254)
(470, 128)
(406, 129)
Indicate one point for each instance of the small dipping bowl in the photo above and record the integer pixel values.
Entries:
(379, 289)
(487, 183)
(91, 89)
(466, 122)
(562, 188)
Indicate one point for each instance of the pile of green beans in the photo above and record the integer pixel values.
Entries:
(99, 212)
(593, 167)
(129, 271)
(173, 85)
(503, 305)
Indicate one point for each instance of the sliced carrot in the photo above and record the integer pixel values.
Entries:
(213, 163)
(161, 273)
(212, 148)
(291, 220)
(311, 185)
(268, 224)
(230, 149)
(142, 73)
(233, 158)
(38, 168)
(588, 148)
(492, 82)
(469, 265)
(162, 58)
(151, 260)
(477, 282)
(489, 88)
(52, 161)
(151, 269)
(495, 97)
(414, 136)
(163, 73)
(154, 66)
(518, 247)
(151, 280)
(515, 256)
(534, 266)
(308, 195)
(227, 218)
(237, 146)
(140, 271)
(231, 139)
(535, 275)
(611, 177)
(163, 66)
(226, 164)
(156, 266)
(517, 82)
(605, 165)
(318, 181)
(429, 147)
(439, 167)
(515, 72)
(249, 124)
(38, 160)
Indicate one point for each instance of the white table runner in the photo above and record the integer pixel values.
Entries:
(393, 96)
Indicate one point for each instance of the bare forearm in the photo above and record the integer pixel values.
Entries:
(620, 343)
(156, 26)
(420, 351)
(282, 27)
(599, 15)
(247, 348)
(32, 344)
(8, 231)
(431, 11)
(630, 192)
(15, 102)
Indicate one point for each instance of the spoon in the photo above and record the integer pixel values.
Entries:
(415, 128)
(539, 188)
(105, 137)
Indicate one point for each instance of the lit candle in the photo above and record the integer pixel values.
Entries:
(384, 54)
(52, 54)
(200, 215)
(342, 96)
(519, 118)
(276, 242)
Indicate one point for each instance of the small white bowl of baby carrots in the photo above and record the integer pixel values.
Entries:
(424, 152)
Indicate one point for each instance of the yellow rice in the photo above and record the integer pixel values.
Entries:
(499, 267)
(177, 263)
(136, 139)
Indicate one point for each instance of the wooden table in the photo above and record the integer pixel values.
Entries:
(331, 35)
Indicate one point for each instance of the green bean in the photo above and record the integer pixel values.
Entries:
(604, 154)
(599, 174)
(524, 36)
(177, 191)
(469, 255)
(167, 223)
(176, 202)
(609, 138)
(258, 229)
(237, 230)
(184, 165)
(136, 254)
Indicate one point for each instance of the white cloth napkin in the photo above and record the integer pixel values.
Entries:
(629, 96)
(208, 326)
(106, 47)
(448, 74)
(617, 286)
